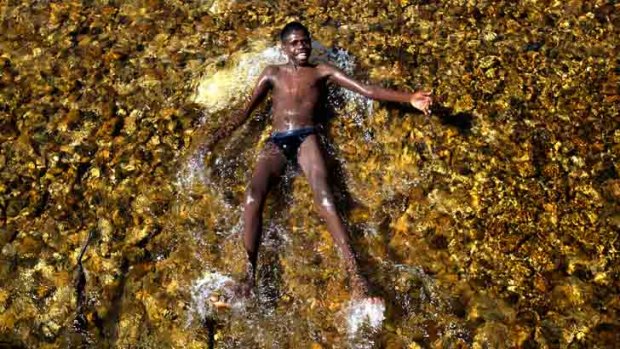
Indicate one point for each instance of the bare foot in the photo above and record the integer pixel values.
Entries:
(218, 303)
(375, 300)
(231, 293)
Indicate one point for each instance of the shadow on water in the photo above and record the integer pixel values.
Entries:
(335, 167)
(462, 121)
(419, 297)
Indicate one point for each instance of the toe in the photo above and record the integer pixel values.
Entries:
(221, 305)
(377, 300)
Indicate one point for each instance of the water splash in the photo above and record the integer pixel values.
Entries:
(205, 290)
(342, 59)
(364, 318)
(224, 88)
(192, 172)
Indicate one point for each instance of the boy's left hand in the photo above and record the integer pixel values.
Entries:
(422, 100)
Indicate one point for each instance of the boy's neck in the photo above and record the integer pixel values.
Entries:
(297, 65)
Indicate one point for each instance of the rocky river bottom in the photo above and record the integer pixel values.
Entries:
(493, 223)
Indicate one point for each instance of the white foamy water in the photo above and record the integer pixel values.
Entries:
(226, 87)
(192, 172)
(212, 284)
(363, 318)
(346, 62)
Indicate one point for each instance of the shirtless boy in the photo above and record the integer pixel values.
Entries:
(296, 89)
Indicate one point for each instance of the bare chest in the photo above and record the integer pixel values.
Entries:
(298, 83)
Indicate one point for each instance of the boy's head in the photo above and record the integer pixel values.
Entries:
(296, 43)
(291, 27)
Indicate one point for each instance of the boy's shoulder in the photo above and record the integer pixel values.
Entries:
(326, 68)
(319, 66)
(272, 68)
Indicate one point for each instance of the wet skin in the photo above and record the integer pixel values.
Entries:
(296, 89)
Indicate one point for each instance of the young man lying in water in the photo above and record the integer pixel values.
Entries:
(296, 89)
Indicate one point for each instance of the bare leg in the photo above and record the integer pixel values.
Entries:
(268, 169)
(313, 165)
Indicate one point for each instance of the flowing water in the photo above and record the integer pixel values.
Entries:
(491, 224)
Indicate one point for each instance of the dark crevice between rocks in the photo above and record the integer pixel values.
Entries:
(210, 326)
(80, 323)
(144, 241)
(42, 204)
(109, 324)
(81, 170)
(12, 235)
(541, 141)
(520, 243)
(13, 344)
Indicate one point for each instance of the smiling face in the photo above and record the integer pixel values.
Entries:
(297, 46)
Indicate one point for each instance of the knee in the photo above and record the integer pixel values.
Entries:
(325, 203)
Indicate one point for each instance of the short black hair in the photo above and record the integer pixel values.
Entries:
(292, 26)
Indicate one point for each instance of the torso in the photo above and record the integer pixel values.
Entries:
(296, 93)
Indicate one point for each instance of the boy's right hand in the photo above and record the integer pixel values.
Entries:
(422, 101)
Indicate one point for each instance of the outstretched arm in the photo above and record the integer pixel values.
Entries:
(420, 100)
(263, 85)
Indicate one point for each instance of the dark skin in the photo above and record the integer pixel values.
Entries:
(296, 89)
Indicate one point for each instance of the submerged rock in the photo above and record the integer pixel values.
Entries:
(492, 223)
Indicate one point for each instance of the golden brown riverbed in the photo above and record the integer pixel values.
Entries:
(492, 224)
